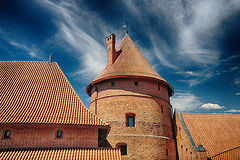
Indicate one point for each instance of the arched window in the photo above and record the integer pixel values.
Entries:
(130, 120)
(123, 148)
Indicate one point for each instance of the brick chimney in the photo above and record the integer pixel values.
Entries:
(111, 52)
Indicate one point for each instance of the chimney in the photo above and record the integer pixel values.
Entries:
(111, 52)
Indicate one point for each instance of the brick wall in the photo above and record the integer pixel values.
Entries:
(44, 135)
(184, 147)
(152, 135)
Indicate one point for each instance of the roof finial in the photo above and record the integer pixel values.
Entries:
(50, 58)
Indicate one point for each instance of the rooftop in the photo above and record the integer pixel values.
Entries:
(39, 92)
(129, 63)
(216, 132)
(68, 153)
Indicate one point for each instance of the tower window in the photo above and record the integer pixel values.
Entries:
(96, 89)
(159, 87)
(7, 134)
(136, 83)
(162, 108)
(130, 120)
(166, 152)
(59, 134)
(123, 148)
(113, 84)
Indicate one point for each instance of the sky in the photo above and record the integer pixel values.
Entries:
(194, 45)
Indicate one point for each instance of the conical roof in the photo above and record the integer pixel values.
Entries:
(129, 63)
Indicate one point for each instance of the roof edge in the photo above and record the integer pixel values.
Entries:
(105, 124)
(186, 131)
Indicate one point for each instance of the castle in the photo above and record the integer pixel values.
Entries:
(129, 117)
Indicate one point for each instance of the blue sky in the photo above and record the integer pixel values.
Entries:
(194, 45)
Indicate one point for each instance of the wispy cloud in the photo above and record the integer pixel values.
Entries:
(211, 106)
(237, 94)
(32, 51)
(237, 81)
(83, 31)
(193, 25)
(185, 101)
(232, 111)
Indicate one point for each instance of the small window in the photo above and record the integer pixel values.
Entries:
(190, 152)
(186, 149)
(181, 146)
(159, 87)
(136, 83)
(166, 152)
(162, 108)
(7, 134)
(113, 84)
(130, 120)
(96, 89)
(59, 134)
(123, 148)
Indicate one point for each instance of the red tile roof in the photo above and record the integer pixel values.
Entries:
(39, 92)
(230, 154)
(129, 63)
(216, 132)
(84, 154)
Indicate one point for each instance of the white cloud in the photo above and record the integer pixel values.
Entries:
(32, 51)
(185, 101)
(210, 106)
(194, 23)
(237, 81)
(233, 111)
(237, 94)
(83, 31)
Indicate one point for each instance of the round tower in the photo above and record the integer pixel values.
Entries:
(134, 100)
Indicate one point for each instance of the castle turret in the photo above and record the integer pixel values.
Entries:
(134, 99)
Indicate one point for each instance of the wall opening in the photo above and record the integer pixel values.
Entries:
(136, 83)
(59, 134)
(123, 148)
(113, 84)
(7, 134)
(130, 120)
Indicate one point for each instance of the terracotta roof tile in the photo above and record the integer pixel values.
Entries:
(39, 92)
(77, 153)
(130, 62)
(216, 132)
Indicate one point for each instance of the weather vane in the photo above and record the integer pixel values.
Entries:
(50, 58)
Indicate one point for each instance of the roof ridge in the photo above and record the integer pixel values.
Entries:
(22, 61)
(187, 131)
(55, 148)
(212, 113)
(78, 95)
(225, 151)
